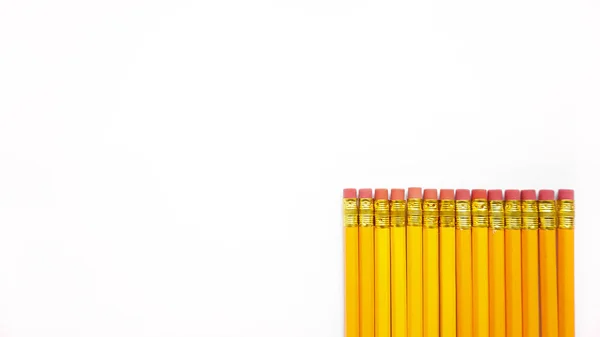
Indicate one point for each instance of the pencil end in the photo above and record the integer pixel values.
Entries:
(564, 194)
(350, 193)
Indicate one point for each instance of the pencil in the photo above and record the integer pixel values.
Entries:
(548, 261)
(414, 258)
(496, 264)
(566, 259)
(512, 232)
(530, 264)
(479, 213)
(351, 262)
(382, 264)
(464, 280)
(447, 264)
(431, 276)
(366, 263)
(398, 238)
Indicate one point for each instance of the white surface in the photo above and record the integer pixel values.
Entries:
(127, 126)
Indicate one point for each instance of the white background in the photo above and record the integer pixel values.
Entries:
(174, 168)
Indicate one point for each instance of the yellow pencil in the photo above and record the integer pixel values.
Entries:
(366, 264)
(464, 280)
(414, 257)
(566, 259)
(431, 276)
(548, 261)
(351, 262)
(382, 264)
(530, 264)
(481, 296)
(512, 232)
(496, 264)
(447, 264)
(398, 238)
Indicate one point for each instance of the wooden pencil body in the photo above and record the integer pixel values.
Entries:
(514, 326)
(530, 282)
(414, 277)
(447, 282)
(548, 286)
(566, 283)
(366, 300)
(399, 306)
(430, 283)
(382, 282)
(481, 326)
(464, 284)
(351, 288)
(497, 283)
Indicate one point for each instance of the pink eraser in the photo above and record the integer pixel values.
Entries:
(414, 193)
(430, 193)
(494, 194)
(546, 195)
(397, 194)
(566, 195)
(350, 193)
(478, 194)
(381, 194)
(462, 194)
(365, 193)
(446, 194)
(512, 195)
(528, 195)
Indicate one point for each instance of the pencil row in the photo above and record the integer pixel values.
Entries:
(462, 263)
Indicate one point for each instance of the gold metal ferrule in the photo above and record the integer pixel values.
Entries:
(547, 214)
(529, 214)
(512, 214)
(479, 212)
(365, 212)
(414, 212)
(496, 214)
(382, 213)
(350, 212)
(431, 213)
(398, 213)
(447, 213)
(463, 214)
(566, 214)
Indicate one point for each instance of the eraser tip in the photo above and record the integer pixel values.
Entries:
(397, 194)
(415, 193)
(365, 193)
(565, 194)
(381, 194)
(350, 193)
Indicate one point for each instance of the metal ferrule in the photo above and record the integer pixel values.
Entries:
(365, 212)
(382, 213)
(529, 214)
(431, 213)
(496, 214)
(547, 214)
(463, 214)
(447, 213)
(512, 214)
(398, 213)
(479, 212)
(566, 214)
(350, 212)
(414, 212)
